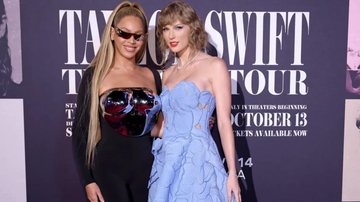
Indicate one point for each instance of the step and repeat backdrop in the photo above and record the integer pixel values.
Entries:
(295, 86)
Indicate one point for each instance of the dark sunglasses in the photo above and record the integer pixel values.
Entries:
(127, 35)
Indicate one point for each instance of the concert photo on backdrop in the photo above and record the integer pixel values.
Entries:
(160, 100)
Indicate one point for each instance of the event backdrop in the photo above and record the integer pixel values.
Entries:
(286, 59)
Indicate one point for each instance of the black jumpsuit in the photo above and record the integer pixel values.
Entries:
(122, 164)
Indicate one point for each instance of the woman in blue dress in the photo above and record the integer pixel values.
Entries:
(187, 165)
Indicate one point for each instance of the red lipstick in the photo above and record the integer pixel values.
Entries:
(173, 44)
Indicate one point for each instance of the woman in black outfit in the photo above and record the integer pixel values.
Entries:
(116, 108)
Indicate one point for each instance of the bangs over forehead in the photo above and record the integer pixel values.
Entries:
(174, 12)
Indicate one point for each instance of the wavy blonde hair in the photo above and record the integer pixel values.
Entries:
(183, 12)
(102, 63)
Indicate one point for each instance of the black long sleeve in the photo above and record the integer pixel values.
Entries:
(81, 127)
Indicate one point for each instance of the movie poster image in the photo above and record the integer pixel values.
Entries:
(12, 151)
(12, 131)
(353, 49)
(10, 49)
(351, 174)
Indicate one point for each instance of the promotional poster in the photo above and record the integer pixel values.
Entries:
(286, 62)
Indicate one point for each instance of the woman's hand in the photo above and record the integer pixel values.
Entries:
(158, 128)
(232, 187)
(211, 122)
(93, 193)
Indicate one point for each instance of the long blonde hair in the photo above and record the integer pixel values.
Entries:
(102, 63)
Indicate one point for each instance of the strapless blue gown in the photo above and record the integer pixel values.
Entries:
(187, 166)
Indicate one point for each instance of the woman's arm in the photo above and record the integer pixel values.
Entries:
(221, 87)
(157, 131)
(81, 127)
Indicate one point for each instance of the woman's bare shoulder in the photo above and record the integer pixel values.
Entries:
(212, 63)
